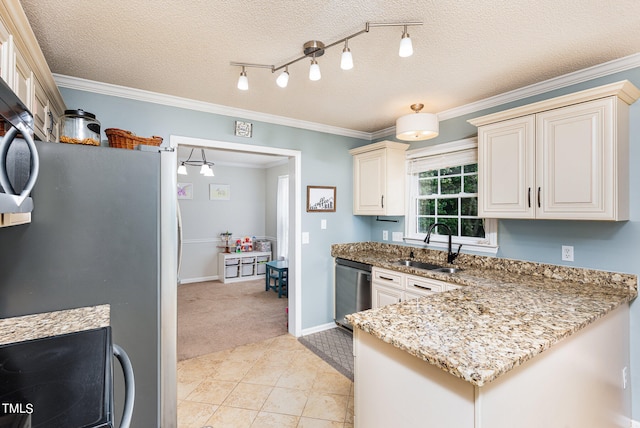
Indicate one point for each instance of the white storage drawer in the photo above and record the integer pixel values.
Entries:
(247, 269)
(389, 278)
(424, 285)
(231, 262)
(248, 260)
(231, 271)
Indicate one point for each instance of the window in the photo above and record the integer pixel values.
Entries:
(443, 188)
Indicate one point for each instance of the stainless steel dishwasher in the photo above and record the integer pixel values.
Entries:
(352, 289)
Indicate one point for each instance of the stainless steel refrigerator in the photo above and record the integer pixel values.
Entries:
(104, 230)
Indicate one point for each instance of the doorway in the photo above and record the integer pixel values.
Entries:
(294, 250)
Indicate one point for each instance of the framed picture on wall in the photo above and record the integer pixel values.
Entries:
(321, 199)
(219, 192)
(185, 190)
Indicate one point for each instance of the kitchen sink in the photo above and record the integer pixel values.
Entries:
(419, 265)
(428, 266)
(447, 270)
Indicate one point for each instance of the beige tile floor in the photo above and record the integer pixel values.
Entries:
(274, 383)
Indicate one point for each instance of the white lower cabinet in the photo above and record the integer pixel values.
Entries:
(390, 287)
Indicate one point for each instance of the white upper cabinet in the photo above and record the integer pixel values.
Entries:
(24, 68)
(379, 178)
(564, 158)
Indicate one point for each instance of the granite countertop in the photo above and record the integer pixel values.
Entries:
(506, 312)
(37, 326)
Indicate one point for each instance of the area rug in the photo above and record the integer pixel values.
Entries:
(213, 316)
(335, 346)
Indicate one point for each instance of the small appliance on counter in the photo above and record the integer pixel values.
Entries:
(80, 127)
(63, 381)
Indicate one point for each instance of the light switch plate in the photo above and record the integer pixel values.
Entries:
(323, 223)
(305, 237)
(397, 236)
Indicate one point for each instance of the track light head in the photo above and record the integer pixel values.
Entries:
(346, 60)
(314, 70)
(406, 47)
(243, 82)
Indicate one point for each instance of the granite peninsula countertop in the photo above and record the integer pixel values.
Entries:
(506, 313)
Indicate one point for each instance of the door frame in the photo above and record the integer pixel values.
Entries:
(295, 213)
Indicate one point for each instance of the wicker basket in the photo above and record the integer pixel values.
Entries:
(122, 139)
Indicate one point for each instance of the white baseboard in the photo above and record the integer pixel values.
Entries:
(202, 279)
(635, 424)
(318, 328)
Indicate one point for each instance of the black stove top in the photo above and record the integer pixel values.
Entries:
(59, 381)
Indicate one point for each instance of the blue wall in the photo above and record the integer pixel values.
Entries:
(326, 161)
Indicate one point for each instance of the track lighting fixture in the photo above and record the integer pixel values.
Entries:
(314, 70)
(346, 60)
(283, 79)
(406, 47)
(205, 167)
(243, 82)
(314, 49)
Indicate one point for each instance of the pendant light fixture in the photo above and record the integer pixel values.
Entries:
(417, 126)
(314, 49)
(205, 167)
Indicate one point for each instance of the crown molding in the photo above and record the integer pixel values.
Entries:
(600, 70)
(186, 103)
(596, 71)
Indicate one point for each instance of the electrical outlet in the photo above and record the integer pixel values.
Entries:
(385, 235)
(567, 253)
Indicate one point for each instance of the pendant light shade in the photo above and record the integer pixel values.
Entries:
(417, 126)
(406, 47)
(205, 167)
(182, 169)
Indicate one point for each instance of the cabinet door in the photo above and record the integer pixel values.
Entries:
(575, 154)
(39, 109)
(506, 169)
(22, 79)
(383, 295)
(369, 181)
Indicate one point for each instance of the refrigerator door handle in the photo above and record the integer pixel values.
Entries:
(35, 163)
(179, 215)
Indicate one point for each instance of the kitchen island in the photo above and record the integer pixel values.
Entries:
(521, 345)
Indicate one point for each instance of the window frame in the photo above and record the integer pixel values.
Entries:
(466, 147)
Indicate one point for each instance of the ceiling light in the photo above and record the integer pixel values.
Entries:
(417, 126)
(314, 70)
(205, 167)
(406, 48)
(283, 79)
(346, 61)
(243, 82)
(314, 48)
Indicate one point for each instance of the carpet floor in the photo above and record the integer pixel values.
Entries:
(213, 316)
(335, 346)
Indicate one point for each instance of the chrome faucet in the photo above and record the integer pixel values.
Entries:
(451, 256)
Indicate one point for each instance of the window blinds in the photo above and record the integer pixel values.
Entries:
(443, 160)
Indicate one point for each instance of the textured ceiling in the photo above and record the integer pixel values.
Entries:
(465, 51)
